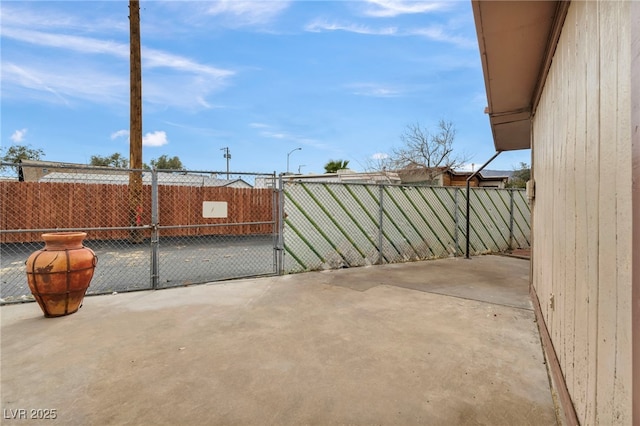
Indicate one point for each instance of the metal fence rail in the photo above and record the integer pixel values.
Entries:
(334, 225)
(163, 240)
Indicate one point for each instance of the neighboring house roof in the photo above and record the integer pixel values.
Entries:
(33, 170)
(517, 40)
(181, 179)
(421, 175)
(483, 175)
(347, 176)
(53, 171)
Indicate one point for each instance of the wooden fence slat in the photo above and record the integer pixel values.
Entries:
(37, 205)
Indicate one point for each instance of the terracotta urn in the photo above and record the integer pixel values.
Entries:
(60, 273)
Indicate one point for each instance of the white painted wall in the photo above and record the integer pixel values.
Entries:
(581, 155)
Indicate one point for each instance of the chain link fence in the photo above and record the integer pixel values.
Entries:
(149, 228)
(333, 225)
(155, 229)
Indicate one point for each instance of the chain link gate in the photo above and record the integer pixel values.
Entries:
(223, 228)
(162, 237)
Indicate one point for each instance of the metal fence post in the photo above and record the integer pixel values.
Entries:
(380, 227)
(155, 237)
(468, 208)
(280, 240)
(511, 191)
(456, 218)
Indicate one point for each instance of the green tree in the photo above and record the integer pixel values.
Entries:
(114, 160)
(16, 153)
(520, 176)
(334, 165)
(165, 163)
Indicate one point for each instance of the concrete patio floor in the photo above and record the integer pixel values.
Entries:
(443, 342)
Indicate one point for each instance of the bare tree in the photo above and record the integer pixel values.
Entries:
(427, 154)
(379, 162)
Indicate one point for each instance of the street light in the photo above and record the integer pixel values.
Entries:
(297, 149)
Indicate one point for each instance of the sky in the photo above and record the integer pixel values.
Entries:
(279, 83)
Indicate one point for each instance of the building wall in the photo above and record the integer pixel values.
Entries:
(581, 155)
(459, 180)
(635, 142)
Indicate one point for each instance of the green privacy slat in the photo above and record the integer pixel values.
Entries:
(491, 194)
(301, 236)
(385, 234)
(526, 219)
(318, 228)
(342, 221)
(404, 214)
(472, 229)
(450, 195)
(346, 211)
(366, 211)
(332, 219)
(398, 228)
(420, 210)
(437, 216)
(291, 252)
(503, 212)
(483, 209)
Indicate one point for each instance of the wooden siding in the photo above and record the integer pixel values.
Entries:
(635, 142)
(635, 125)
(581, 155)
(37, 205)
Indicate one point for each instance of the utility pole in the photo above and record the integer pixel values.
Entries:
(227, 155)
(135, 122)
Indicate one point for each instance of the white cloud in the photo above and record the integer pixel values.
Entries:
(68, 42)
(379, 156)
(267, 131)
(152, 58)
(391, 8)
(320, 25)
(43, 17)
(18, 135)
(276, 135)
(374, 90)
(439, 33)
(120, 134)
(96, 81)
(156, 58)
(157, 138)
(32, 79)
(241, 13)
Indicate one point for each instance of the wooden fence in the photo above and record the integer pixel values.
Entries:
(36, 205)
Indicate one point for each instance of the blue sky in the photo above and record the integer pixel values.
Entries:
(339, 79)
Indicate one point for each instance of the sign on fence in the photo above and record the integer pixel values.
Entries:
(214, 209)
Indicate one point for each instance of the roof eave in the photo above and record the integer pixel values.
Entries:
(517, 40)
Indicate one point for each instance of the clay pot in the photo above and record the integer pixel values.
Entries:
(60, 273)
